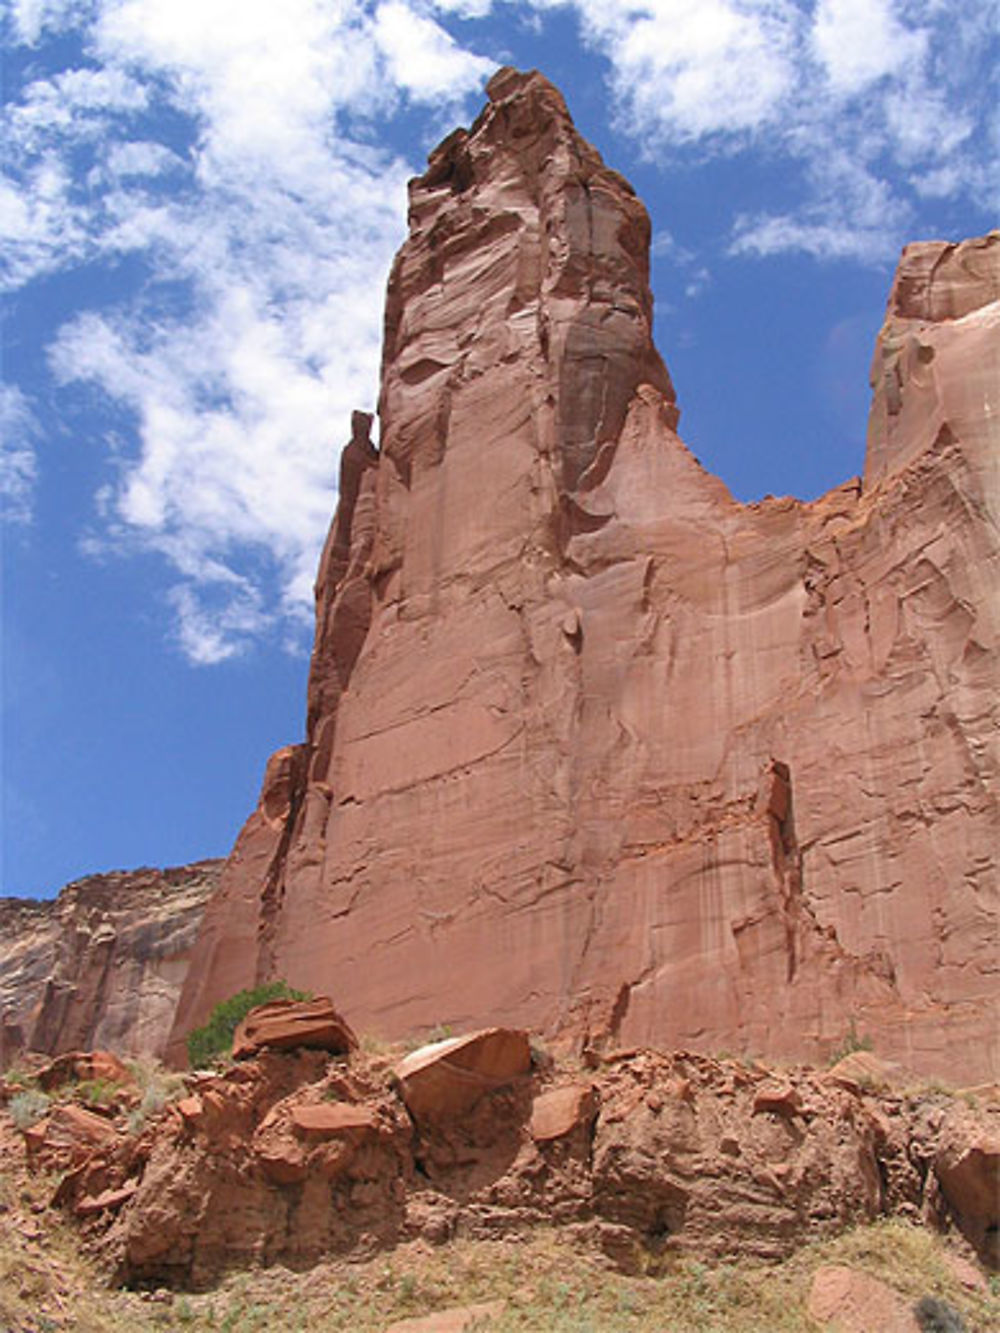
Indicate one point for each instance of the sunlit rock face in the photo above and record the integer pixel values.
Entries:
(591, 747)
(103, 964)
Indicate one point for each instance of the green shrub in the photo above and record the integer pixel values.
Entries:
(97, 1091)
(206, 1044)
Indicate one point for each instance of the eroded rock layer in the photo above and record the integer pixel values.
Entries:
(103, 964)
(291, 1156)
(595, 749)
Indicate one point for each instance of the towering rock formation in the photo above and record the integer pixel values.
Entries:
(102, 964)
(593, 748)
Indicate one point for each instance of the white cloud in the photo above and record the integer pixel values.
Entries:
(858, 42)
(422, 58)
(141, 158)
(853, 214)
(18, 461)
(464, 9)
(210, 634)
(684, 69)
(264, 220)
(905, 90)
(273, 245)
(30, 18)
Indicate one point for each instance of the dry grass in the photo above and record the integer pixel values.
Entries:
(49, 1285)
(549, 1287)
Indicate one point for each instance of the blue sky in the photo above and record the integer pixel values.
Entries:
(200, 203)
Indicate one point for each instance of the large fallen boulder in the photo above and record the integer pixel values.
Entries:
(967, 1167)
(447, 1077)
(289, 1025)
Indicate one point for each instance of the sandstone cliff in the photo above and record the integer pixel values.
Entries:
(102, 964)
(591, 747)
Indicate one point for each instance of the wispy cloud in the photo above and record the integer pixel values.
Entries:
(257, 326)
(18, 459)
(684, 70)
(870, 105)
(224, 149)
(422, 58)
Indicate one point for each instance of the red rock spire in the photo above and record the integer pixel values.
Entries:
(592, 748)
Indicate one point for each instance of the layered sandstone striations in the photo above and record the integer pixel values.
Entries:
(103, 964)
(591, 747)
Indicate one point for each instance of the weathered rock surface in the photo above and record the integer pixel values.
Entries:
(854, 1302)
(103, 964)
(459, 1319)
(293, 1025)
(447, 1077)
(82, 1067)
(591, 747)
(561, 1111)
(967, 1166)
(297, 1155)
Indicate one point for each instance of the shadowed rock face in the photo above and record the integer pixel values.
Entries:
(591, 747)
(103, 964)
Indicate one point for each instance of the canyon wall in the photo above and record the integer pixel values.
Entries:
(591, 747)
(103, 964)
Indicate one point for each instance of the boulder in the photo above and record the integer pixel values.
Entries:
(558, 1112)
(778, 1098)
(457, 1319)
(331, 1120)
(288, 1025)
(863, 1069)
(967, 1167)
(448, 1077)
(851, 1301)
(109, 1200)
(85, 1066)
(68, 1135)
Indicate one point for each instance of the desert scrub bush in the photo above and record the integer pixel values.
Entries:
(97, 1091)
(851, 1042)
(158, 1087)
(206, 1044)
(937, 1316)
(27, 1108)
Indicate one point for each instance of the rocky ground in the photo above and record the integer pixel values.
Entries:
(313, 1183)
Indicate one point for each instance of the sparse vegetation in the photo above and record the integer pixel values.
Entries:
(96, 1091)
(545, 1282)
(205, 1045)
(852, 1041)
(158, 1087)
(937, 1316)
(27, 1108)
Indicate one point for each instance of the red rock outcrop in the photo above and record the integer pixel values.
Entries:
(103, 964)
(293, 1025)
(595, 749)
(296, 1155)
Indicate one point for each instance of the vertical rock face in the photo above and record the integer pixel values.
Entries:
(103, 964)
(593, 748)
